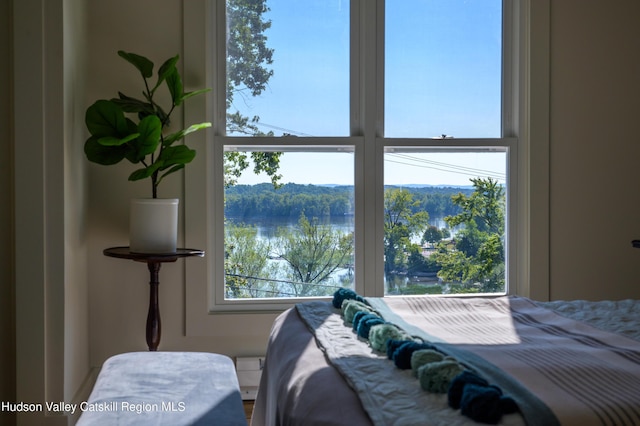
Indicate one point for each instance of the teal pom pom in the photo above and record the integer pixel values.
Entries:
(345, 293)
(365, 324)
(359, 316)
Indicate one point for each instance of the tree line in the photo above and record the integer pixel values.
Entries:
(291, 200)
(310, 253)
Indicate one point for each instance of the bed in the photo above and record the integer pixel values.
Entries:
(452, 361)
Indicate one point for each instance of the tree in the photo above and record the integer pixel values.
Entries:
(433, 235)
(246, 260)
(248, 58)
(312, 253)
(400, 225)
(476, 259)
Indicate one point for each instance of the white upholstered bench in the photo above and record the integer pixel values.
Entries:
(165, 388)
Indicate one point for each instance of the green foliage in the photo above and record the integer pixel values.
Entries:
(300, 264)
(477, 259)
(247, 51)
(247, 268)
(433, 234)
(248, 72)
(235, 163)
(312, 253)
(288, 200)
(485, 206)
(114, 136)
(400, 225)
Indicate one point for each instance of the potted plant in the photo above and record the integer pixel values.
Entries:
(139, 130)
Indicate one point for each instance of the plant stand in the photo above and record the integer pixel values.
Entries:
(153, 261)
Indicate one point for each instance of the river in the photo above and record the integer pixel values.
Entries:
(267, 228)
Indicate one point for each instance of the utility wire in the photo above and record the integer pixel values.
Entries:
(277, 292)
(453, 166)
(499, 177)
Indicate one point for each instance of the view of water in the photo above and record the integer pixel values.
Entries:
(267, 228)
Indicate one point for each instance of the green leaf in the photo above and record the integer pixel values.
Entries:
(144, 172)
(150, 129)
(129, 104)
(171, 170)
(191, 94)
(166, 69)
(144, 65)
(111, 141)
(182, 133)
(174, 83)
(100, 154)
(176, 155)
(140, 174)
(105, 118)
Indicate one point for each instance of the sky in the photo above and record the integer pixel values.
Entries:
(442, 77)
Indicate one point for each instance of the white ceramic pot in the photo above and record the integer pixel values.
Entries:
(153, 225)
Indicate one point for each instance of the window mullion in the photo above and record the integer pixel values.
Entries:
(366, 79)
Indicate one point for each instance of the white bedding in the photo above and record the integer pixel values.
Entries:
(616, 316)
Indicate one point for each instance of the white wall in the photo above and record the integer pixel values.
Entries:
(595, 149)
(76, 283)
(49, 209)
(119, 288)
(594, 88)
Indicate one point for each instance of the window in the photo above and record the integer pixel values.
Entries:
(382, 127)
(294, 238)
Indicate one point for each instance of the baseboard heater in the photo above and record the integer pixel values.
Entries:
(249, 370)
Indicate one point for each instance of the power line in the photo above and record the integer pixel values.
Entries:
(278, 292)
(436, 168)
(283, 130)
(453, 166)
(449, 168)
(281, 281)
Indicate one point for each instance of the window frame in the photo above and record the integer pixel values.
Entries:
(204, 210)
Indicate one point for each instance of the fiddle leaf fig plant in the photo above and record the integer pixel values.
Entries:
(150, 142)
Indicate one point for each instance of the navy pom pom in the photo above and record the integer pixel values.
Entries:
(458, 384)
(478, 400)
(392, 345)
(482, 403)
(508, 405)
(402, 355)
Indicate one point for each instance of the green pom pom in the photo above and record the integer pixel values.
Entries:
(424, 356)
(380, 334)
(437, 376)
(351, 306)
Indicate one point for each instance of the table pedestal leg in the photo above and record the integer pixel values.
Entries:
(153, 316)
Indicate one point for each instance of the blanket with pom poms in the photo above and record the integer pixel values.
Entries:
(436, 373)
(374, 356)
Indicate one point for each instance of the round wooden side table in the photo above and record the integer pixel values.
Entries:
(153, 261)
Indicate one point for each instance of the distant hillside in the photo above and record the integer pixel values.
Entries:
(243, 201)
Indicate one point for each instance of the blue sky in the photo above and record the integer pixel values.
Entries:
(442, 76)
